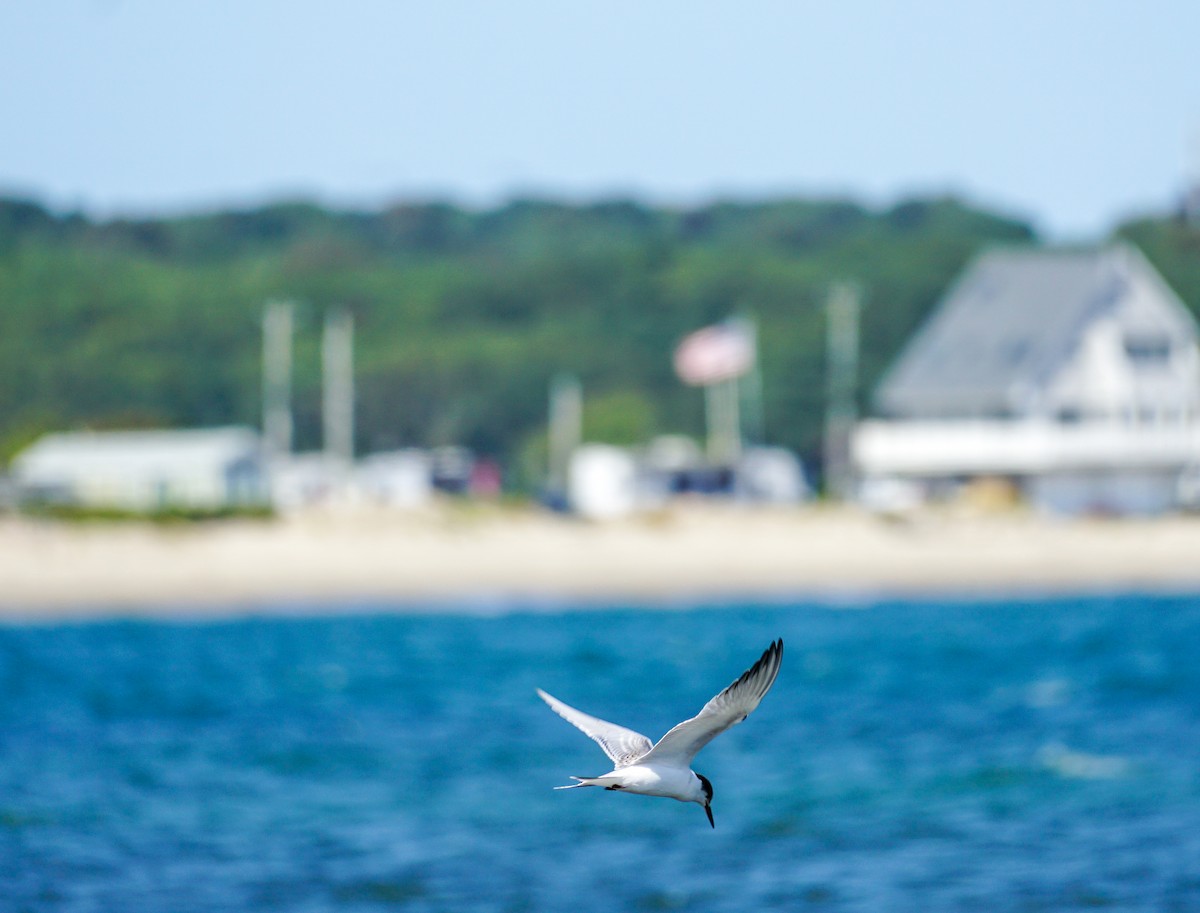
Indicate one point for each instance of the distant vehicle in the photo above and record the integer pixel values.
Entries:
(451, 469)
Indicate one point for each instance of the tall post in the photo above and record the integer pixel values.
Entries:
(714, 357)
(724, 422)
(337, 360)
(566, 430)
(841, 413)
(277, 379)
(751, 395)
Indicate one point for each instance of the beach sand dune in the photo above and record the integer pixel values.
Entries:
(459, 552)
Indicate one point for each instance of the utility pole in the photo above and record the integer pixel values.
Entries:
(841, 412)
(566, 430)
(277, 379)
(337, 361)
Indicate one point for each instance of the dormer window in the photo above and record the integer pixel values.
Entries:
(1148, 351)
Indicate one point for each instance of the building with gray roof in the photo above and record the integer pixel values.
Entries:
(1073, 373)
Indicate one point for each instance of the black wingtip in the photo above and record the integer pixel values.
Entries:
(773, 652)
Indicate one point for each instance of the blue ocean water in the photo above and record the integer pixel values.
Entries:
(1034, 754)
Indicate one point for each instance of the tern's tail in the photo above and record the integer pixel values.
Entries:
(584, 781)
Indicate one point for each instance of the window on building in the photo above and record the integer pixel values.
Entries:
(1148, 351)
(1069, 415)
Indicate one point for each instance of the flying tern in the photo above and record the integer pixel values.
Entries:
(664, 769)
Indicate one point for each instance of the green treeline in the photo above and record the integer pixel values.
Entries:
(463, 316)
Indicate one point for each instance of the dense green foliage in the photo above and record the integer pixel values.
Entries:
(1173, 246)
(463, 317)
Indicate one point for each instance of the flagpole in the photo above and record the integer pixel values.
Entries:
(714, 358)
(723, 417)
(733, 422)
(842, 319)
(751, 398)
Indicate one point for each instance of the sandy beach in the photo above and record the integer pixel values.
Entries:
(489, 555)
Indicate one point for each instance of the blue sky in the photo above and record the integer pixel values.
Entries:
(1072, 114)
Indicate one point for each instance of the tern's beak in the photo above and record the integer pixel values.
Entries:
(708, 811)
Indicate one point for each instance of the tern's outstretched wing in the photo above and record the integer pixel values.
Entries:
(623, 746)
(728, 708)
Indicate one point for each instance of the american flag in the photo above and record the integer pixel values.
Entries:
(715, 353)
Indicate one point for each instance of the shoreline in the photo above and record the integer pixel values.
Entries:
(486, 557)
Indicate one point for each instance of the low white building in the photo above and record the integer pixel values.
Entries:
(1073, 373)
(210, 468)
(605, 482)
(397, 478)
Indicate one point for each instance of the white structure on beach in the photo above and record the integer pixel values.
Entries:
(209, 468)
(604, 483)
(396, 478)
(607, 482)
(1072, 373)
